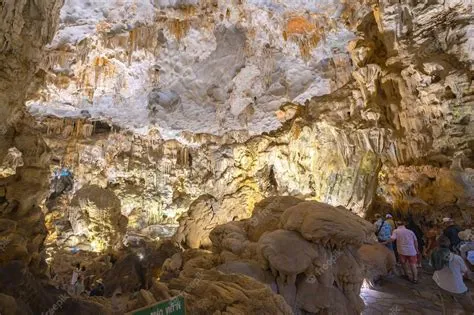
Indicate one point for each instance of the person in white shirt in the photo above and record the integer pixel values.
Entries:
(75, 276)
(466, 250)
(450, 278)
(407, 247)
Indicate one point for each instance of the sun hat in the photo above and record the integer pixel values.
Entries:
(465, 235)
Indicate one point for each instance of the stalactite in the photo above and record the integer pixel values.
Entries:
(167, 168)
(132, 44)
(102, 68)
(306, 45)
(182, 159)
(179, 28)
(87, 130)
(59, 58)
(78, 128)
(267, 64)
(67, 132)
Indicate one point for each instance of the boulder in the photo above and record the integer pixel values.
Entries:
(286, 253)
(266, 215)
(128, 274)
(216, 293)
(321, 223)
(378, 261)
(145, 298)
(7, 304)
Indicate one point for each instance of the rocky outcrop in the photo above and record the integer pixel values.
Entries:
(26, 27)
(31, 296)
(435, 191)
(378, 261)
(96, 219)
(313, 248)
(233, 294)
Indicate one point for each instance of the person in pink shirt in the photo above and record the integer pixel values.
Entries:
(407, 247)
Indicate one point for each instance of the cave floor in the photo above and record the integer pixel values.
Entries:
(396, 296)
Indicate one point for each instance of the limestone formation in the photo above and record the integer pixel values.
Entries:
(378, 261)
(321, 223)
(211, 291)
(95, 214)
(295, 261)
(266, 215)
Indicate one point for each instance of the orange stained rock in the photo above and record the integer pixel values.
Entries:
(280, 115)
(299, 26)
(378, 17)
(101, 62)
(296, 131)
(103, 27)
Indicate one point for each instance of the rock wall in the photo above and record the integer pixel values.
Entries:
(402, 112)
(218, 181)
(363, 87)
(26, 27)
(424, 95)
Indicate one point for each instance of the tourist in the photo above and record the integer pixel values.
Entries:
(412, 226)
(407, 247)
(466, 249)
(390, 221)
(431, 237)
(98, 289)
(449, 274)
(451, 231)
(79, 285)
(383, 231)
(75, 275)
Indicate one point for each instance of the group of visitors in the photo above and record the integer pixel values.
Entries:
(80, 285)
(449, 250)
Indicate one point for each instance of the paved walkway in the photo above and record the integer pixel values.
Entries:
(396, 296)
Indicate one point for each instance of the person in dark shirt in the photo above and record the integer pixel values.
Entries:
(451, 231)
(99, 289)
(412, 226)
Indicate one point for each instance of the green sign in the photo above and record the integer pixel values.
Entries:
(174, 306)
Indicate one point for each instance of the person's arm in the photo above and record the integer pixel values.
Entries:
(391, 239)
(428, 245)
(464, 270)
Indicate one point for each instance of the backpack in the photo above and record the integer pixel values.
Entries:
(470, 257)
(380, 228)
(440, 258)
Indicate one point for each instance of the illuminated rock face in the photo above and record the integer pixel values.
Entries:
(157, 181)
(349, 88)
(95, 216)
